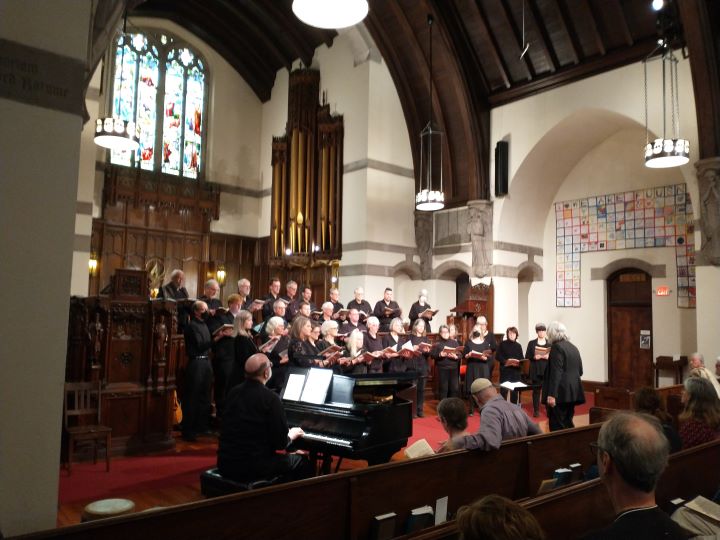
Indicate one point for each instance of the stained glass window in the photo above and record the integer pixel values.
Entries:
(152, 72)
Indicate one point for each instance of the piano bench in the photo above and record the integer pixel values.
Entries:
(214, 485)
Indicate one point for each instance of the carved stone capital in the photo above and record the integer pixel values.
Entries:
(479, 227)
(708, 175)
(424, 241)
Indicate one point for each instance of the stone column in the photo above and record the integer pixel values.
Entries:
(708, 260)
(425, 241)
(44, 49)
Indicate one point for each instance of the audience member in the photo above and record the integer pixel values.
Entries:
(647, 401)
(700, 420)
(255, 431)
(499, 420)
(698, 369)
(452, 415)
(562, 387)
(632, 453)
(496, 518)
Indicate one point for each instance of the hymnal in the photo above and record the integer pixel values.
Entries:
(563, 476)
(418, 449)
(332, 349)
(388, 311)
(428, 313)
(342, 312)
(512, 362)
(419, 518)
(424, 346)
(269, 345)
(476, 356)
(383, 527)
(452, 350)
(390, 350)
(222, 329)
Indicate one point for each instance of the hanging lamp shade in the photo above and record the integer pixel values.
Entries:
(330, 14)
(670, 150)
(117, 134)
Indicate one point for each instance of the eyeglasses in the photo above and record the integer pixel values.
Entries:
(594, 447)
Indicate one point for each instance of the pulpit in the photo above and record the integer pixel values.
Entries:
(479, 302)
(131, 344)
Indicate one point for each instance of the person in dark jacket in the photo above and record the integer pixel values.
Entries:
(538, 352)
(509, 354)
(562, 388)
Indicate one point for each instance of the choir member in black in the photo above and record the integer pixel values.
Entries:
(327, 313)
(210, 291)
(247, 301)
(418, 308)
(352, 361)
(337, 304)
(509, 353)
(279, 310)
(447, 363)
(290, 292)
(301, 352)
(454, 333)
(352, 323)
(244, 347)
(363, 306)
(278, 355)
(273, 294)
(315, 334)
(386, 310)
(304, 310)
(255, 430)
(196, 406)
(223, 350)
(373, 343)
(305, 297)
(329, 332)
(174, 290)
(482, 342)
(395, 338)
(538, 364)
(418, 362)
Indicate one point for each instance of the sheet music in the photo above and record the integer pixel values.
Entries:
(293, 387)
(316, 386)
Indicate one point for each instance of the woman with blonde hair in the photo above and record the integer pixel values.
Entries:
(478, 354)
(244, 347)
(395, 338)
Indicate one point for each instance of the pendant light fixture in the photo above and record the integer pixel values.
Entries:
(330, 14)
(114, 132)
(670, 150)
(430, 196)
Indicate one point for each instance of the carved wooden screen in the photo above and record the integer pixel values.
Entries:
(307, 178)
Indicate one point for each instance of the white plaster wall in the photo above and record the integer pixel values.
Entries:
(610, 167)
(524, 124)
(441, 296)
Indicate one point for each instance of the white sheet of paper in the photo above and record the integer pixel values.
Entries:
(316, 386)
(293, 387)
(513, 385)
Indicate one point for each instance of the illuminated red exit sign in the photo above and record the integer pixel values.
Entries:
(663, 291)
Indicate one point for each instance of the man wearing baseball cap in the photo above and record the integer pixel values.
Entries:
(499, 420)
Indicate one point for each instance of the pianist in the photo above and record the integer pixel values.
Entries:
(255, 430)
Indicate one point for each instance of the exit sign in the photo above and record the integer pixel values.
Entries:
(663, 291)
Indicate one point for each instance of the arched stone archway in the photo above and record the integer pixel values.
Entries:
(451, 270)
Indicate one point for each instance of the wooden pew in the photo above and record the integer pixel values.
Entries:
(573, 511)
(342, 505)
(600, 414)
(607, 397)
(610, 397)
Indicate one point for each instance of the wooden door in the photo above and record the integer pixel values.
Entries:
(630, 329)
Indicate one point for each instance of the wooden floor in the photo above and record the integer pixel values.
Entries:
(69, 514)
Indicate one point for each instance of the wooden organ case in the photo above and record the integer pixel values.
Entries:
(133, 346)
(307, 165)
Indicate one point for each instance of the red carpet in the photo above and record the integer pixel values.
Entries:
(127, 475)
(90, 482)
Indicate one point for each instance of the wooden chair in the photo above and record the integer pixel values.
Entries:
(82, 420)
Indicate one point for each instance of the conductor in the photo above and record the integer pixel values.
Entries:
(254, 430)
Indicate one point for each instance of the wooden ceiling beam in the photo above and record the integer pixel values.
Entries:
(302, 46)
(621, 21)
(497, 59)
(546, 43)
(526, 63)
(569, 74)
(593, 24)
(569, 29)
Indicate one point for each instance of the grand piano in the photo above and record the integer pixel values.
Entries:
(357, 416)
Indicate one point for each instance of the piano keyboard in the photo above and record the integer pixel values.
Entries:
(326, 439)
